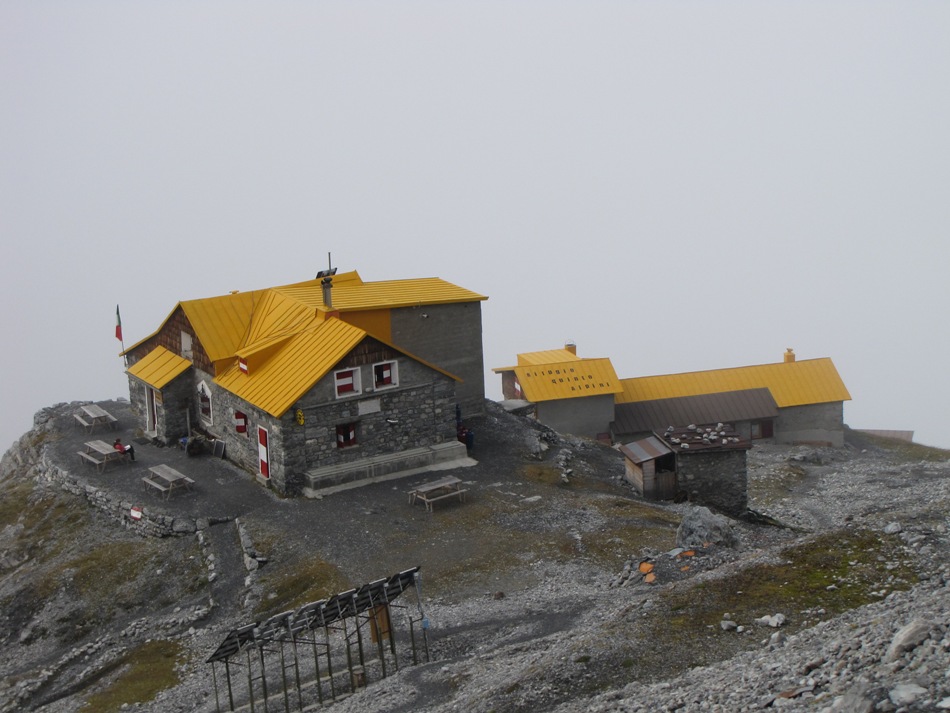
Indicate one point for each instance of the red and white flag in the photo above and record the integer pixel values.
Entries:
(118, 324)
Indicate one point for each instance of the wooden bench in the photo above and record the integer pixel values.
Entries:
(163, 489)
(82, 422)
(91, 459)
(428, 501)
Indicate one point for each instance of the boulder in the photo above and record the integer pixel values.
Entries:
(700, 526)
(908, 637)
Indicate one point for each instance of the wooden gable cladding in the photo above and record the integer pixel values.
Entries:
(369, 351)
(170, 338)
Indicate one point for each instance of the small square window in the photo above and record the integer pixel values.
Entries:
(346, 435)
(385, 374)
(347, 382)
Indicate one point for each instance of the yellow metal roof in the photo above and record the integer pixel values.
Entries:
(797, 383)
(221, 323)
(355, 295)
(159, 367)
(283, 371)
(229, 322)
(568, 379)
(276, 383)
(285, 334)
(276, 316)
(551, 356)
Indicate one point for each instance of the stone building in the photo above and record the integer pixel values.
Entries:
(318, 383)
(570, 394)
(809, 397)
(705, 464)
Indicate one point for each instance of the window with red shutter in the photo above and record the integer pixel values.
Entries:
(385, 374)
(347, 382)
(346, 435)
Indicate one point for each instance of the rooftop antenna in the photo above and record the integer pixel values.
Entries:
(329, 271)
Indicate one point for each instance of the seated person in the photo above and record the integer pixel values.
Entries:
(124, 449)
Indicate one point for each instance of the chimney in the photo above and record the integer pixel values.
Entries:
(789, 355)
(327, 285)
(571, 347)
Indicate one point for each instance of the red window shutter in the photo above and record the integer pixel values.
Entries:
(345, 382)
(346, 435)
(384, 374)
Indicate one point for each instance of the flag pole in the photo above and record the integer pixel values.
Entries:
(118, 328)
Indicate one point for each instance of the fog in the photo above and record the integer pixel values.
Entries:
(677, 186)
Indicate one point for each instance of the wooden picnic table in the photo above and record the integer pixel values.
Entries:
(166, 479)
(100, 454)
(446, 487)
(93, 415)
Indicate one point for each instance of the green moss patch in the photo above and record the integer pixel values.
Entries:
(295, 584)
(137, 676)
(897, 447)
(550, 475)
(817, 579)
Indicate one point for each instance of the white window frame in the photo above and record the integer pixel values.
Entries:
(394, 374)
(338, 380)
(203, 390)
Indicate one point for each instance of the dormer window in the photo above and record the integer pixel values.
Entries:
(385, 375)
(347, 382)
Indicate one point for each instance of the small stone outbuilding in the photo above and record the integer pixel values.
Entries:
(703, 464)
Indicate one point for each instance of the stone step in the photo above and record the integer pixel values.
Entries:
(323, 481)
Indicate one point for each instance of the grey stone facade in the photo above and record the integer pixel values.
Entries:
(449, 336)
(714, 478)
(420, 411)
(587, 416)
(175, 406)
(814, 424)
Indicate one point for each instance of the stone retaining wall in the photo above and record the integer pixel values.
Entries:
(152, 523)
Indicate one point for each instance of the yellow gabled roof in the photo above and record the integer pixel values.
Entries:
(292, 367)
(350, 294)
(551, 356)
(797, 383)
(276, 315)
(226, 323)
(568, 379)
(275, 384)
(399, 293)
(159, 367)
(221, 323)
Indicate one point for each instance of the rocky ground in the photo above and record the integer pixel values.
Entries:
(552, 588)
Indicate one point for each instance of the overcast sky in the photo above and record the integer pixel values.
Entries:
(677, 186)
